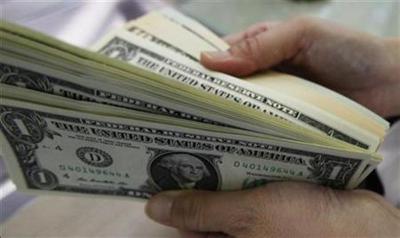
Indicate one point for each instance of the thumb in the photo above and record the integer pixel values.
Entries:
(259, 51)
(200, 211)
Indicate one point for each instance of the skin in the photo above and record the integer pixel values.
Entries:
(362, 67)
(280, 209)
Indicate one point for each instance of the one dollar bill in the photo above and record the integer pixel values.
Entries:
(58, 150)
(156, 57)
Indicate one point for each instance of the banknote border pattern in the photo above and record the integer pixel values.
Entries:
(24, 78)
(24, 150)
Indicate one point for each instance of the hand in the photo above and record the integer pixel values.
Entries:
(360, 66)
(280, 209)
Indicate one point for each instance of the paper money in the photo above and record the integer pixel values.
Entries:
(189, 30)
(22, 77)
(160, 27)
(146, 54)
(52, 149)
(36, 53)
(145, 117)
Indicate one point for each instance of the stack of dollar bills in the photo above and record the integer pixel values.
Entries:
(137, 114)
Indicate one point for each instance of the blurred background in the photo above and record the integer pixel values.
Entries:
(83, 22)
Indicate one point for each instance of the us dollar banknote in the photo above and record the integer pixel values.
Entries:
(57, 150)
(22, 76)
(24, 64)
(149, 52)
(161, 27)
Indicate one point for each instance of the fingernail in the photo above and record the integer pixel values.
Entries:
(216, 55)
(159, 207)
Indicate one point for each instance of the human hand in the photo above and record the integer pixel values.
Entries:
(279, 209)
(360, 66)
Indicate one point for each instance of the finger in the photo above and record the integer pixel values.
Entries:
(201, 211)
(262, 51)
(249, 32)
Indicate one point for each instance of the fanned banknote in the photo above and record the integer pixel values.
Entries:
(63, 150)
(140, 115)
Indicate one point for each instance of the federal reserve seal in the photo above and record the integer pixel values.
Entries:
(94, 157)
